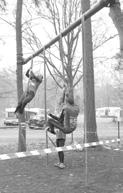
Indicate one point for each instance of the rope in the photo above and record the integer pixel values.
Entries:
(61, 46)
(47, 145)
(61, 53)
(31, 63)
(52, 141)
(45, 85)
(29, 74)
(45, 96)
(31, 67)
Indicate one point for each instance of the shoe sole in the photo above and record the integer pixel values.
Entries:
(61, 167)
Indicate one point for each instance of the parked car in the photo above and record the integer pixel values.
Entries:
(37, 122)
(11, 122)
(10, 117)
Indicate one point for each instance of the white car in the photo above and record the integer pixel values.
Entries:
(37, 122)
(11, 122)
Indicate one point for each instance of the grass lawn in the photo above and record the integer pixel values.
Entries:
(94, 171)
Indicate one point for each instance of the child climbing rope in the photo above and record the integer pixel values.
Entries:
(32, 86)
(67, 121)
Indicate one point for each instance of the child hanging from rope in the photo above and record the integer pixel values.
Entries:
(32, 86)
(60, 119)
(67, 121)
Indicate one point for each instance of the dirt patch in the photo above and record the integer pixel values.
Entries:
(94, 172)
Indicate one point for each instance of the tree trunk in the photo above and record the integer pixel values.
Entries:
(88, 80)
(116, 15)
(22, 134)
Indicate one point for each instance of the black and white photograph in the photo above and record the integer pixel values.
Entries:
(61, 96)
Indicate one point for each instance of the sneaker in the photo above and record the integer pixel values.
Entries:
(61, 166)
(57, 164)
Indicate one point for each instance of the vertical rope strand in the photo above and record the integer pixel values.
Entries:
(27, 116)
(45, 97)
(119, 116)
(45, 90)
(61, 47)
(61, 53)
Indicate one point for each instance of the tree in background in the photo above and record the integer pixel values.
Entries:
(19, 49)
(22, 132)
(2, 5)
(116, 15)
(88, 80)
